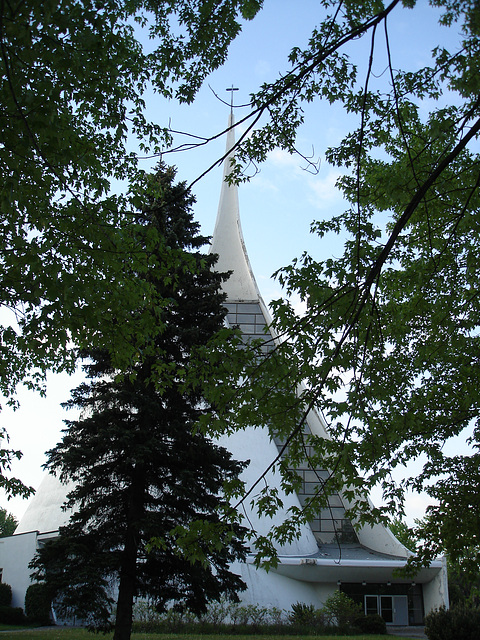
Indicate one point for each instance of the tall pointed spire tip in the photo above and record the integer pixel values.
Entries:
(231, 89)
(227, 239)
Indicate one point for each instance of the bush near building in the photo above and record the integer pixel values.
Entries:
(5, 594)
(12, 615)
(458, 623)
(8, 614)
(340, 614)
(38, 604)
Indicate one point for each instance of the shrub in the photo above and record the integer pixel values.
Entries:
(145, 611)
(12, 615)
(5, 595)
(216, 613)
(38, 604)
(371, 624)
(275, 616)
(340, 610)
(305, 616)
(452, 624)
(302, 614)
(251, 614)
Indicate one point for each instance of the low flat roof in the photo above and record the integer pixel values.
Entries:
(351, 563)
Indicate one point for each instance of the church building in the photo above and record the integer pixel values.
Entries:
(330, 553)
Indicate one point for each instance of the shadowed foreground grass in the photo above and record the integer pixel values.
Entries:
(62, 633)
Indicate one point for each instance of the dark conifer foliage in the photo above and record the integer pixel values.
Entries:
(139, 465)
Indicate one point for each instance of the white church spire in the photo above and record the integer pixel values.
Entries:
(227, 239)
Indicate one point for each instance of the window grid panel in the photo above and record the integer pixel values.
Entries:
(329, 522)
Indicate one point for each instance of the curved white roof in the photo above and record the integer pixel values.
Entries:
(45, 513)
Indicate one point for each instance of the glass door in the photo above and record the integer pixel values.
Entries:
(371, 605)
(393, 609)
(386, 608)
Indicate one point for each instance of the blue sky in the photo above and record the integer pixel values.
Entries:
(277, 206)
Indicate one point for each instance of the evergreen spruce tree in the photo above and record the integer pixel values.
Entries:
(140, 467)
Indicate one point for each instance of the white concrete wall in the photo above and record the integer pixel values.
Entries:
(255, 445)
(270, 589)
(435, 592)
(16, 552)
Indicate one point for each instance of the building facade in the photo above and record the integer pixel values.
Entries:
(330, 552)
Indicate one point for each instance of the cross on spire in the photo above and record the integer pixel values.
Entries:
(232, 89)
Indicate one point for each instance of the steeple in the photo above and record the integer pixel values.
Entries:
(228, 240)
(247, 311)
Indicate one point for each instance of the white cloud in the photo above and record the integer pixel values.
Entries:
(262, 183)
(415, 506)
(262, 68)
(299, 306)
(321, 190)
(281, 158)
(324, 193)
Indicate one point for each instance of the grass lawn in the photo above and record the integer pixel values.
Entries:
(62, 633)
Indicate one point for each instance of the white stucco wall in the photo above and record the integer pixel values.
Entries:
(435, 592)
(255, 445)
(16, 552)
(270, 589)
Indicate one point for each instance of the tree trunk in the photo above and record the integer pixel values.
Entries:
(126, 590)
(128, 568)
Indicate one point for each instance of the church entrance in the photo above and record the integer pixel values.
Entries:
(393, 609)
(399, 604)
